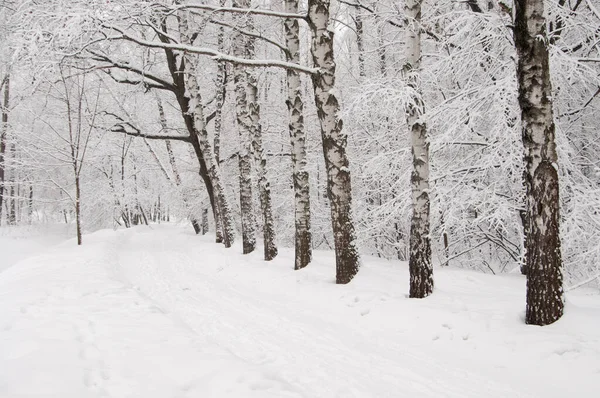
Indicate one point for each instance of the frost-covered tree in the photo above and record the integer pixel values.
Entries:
(339, 186)
(543, 255)
(295, 104)
(419, 262)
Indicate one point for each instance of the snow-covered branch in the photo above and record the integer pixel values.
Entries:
(215, 55)
(232, 10)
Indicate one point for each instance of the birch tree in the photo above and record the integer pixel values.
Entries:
(339, 186)
(176, 174)
(220, 100)
(421, 270)
(3, 136)
(260, 159)
(197, 128)
(264, 187)
(244, 125)
(295, 104)
(545, 302)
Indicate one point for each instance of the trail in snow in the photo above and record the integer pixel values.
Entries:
(162, 313)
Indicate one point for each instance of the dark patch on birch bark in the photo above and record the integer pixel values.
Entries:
(544, 274)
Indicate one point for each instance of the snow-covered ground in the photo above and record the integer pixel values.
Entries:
(159, 312)
(20, 242)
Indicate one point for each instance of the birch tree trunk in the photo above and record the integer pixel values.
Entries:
(381, 52)
(360, 42)
(295, 104)
(244, 123)
(190, 100)
(339, 187)
(543, 268)
(264, 187)
(204, 221)
(220, 100)
(12, 203)
(174, 168)
(74, 129)
(30, 204)
(421, 270)
(3, 134)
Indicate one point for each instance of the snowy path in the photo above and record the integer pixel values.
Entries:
(161, 313)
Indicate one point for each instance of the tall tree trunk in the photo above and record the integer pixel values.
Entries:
(140, 214)
(545, 303)
(77, 206)
(295, 104)
(176, 175)
(421, 270)
(204, 221)
(360, 42)
(339, 187)
(30, 204)
(220, 101)
(12, 203)
(264, 187)
(125, 207)
(13, 182)
(381, 50)
(157, 213)
(244, 125)
(3, 135)
(187, 93)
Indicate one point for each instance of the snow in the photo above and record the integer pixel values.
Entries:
(159, 312)
(20, 242)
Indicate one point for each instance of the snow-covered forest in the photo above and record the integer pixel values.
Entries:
(405, 149)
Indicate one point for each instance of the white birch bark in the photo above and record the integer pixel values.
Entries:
(381, 42)
(244, 130)
(421, 270)
(253, 109)
(543, 263)
(220, 100)
(360, 42)
(3, 135)
(196, 108)
(264, 187)
(295, 104)
(339, 187)
(176, 175)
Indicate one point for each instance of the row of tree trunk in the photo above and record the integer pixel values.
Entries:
(543, 261)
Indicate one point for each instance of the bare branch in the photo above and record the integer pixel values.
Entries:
(126, 67)
(137, 82)
(247, 11)
(120, 128)
(215, 55)
(251, 34)
(584, 105)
